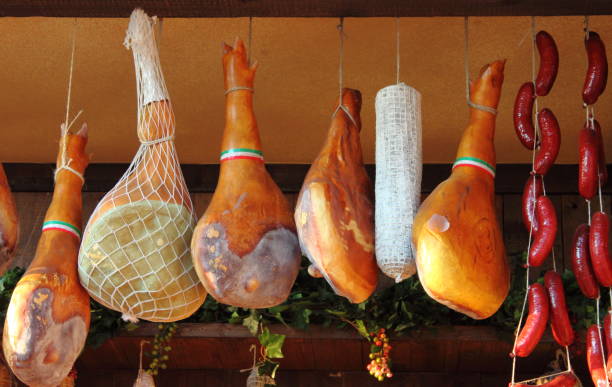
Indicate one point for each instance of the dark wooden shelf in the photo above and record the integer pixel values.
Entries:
(303, 8)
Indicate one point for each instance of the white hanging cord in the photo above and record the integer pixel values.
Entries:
(466, 61)
(341, 75)
(397, 50)
(603, 356)
(65, 127)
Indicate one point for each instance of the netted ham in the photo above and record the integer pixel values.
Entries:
(48, 317)
(135, 252)
(244, 247)
(9, 223)
(334, 212)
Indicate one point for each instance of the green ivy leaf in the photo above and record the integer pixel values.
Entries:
(252, 323)
(361, 328)
(272, 342)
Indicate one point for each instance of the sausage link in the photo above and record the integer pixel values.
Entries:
(588, 161)
(549, 63)
(597, 69)
(533, 183)
(522, 115)
(535, 325)
(559, 320)
(601, 154)
(581, 263)
(608, 340)
(563, 380)
(595, 358)
(550, 143)
(547, 230)
(598, 247)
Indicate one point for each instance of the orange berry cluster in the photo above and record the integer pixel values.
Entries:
(380, 366)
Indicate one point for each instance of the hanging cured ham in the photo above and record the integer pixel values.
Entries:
(9, 223)
(135, 252)
(244, 247)
(461, 258)
(334, 212)
(48, 317)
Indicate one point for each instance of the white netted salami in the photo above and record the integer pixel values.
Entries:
(398, 177)
(135, 255)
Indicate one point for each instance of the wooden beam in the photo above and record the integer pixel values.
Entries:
(304, 8)
(26, 177)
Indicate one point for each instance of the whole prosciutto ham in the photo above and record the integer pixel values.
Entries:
(461, 258)
(334, 212)
(48, 317)
(9, 223)
(244, 247)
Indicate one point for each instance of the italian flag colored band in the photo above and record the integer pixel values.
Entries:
(241, 153)
(62, 226)
(476, 163)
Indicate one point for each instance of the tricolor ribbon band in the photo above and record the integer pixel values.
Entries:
(62, 226)
(241, 153)
(476, 163)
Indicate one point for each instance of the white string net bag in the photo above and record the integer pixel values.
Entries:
(256, 380)
(135, 255)
(398, 178)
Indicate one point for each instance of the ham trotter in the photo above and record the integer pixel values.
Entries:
(334, 213)
(581, 263)
(48, 317)
(595, 356)
(523, 111)
(588, 159)
(550, 143)
(245, 248)
(559, 320)
(544, 238)
(461, 259)
(599, 249)
(536, 321)
(549, 63)
(9, 223)
(597, 68)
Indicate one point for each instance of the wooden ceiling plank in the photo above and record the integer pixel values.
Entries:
(303, 8)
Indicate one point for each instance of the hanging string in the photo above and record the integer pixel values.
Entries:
(397, 50)
(603, 357)
(466, 61)
(341, 75)
(250, 41)
(65, 127)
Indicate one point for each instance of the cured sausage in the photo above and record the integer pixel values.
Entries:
(245, 248)
(597, 68)
(334, 213)
(456, 231)
(523, 111)
(536, 321)
(607, 340)
(559, 320)
(549, 63)
(563, 380)
(581, 263)
(550, 142)
(532, 191)
(9, 223)
(48, 317)
(544, 238)
(601, 155)
(588, 161)
(595, 356)
(598, 246)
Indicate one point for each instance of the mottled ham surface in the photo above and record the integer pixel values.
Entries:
(9, 223)
(334, 212)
